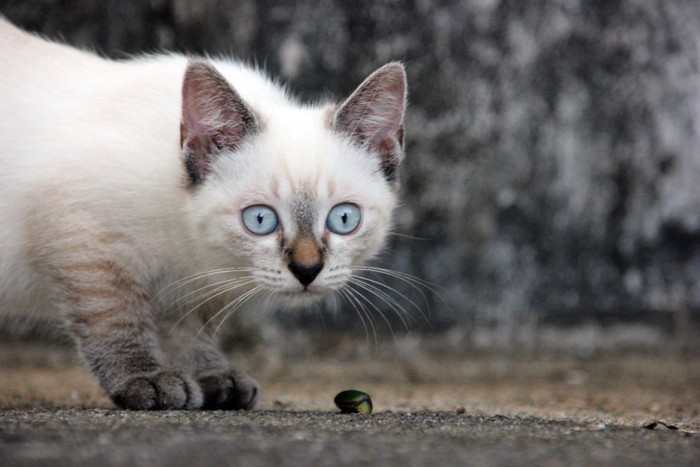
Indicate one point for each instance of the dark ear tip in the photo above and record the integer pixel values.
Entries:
(392, 68)
(395, 66)
(198, 67)
(395, 71)
(197, 62)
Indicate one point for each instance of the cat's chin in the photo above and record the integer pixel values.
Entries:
(301, 299)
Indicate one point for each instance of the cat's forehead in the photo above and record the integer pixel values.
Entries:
(300, 139)
(302, 155)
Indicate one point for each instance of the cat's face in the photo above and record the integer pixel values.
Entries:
(306, 194)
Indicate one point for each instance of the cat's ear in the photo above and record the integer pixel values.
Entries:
(373, 116)
(214, 118)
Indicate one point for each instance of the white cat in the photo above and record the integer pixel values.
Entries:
(132, 192)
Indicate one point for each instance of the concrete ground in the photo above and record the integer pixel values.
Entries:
(633, 409)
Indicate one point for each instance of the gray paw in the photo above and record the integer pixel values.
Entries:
(160, 390)
(231, 390)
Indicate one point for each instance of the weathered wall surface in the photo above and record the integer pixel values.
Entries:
(553, 170)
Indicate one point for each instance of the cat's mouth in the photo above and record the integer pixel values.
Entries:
(310, 291)
(301, 298)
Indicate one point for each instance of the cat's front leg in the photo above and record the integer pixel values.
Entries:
(157, 390)
(228, 389)
(223, 386)
(109, 315)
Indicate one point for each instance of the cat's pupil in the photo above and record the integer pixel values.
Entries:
(260, 218)
(344, 218)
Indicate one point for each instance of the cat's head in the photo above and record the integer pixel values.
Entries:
(299, 196)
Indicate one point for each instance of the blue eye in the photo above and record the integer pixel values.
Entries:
(260, 220)
(343, 218)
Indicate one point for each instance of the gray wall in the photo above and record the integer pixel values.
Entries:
(553, 170)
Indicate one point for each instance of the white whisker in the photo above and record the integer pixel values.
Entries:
(376, 287)
(377, 309)
(218, 288)
(209, 295)
(390, 301)
(360, 309)
(235, 303)
(233, 306)
(183, 282)
(415, 283)
(200, 292)
(361, 292)
(408, 278)
(409, 237)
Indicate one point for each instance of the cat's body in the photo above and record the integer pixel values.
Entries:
(132, 192)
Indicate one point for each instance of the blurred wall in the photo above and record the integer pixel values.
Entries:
(553, 169)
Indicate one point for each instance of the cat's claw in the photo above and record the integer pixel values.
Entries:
(161, 390)
(230, 390)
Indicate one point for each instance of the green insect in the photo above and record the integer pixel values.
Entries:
(353, 401)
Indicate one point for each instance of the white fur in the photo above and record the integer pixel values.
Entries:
(91, 147)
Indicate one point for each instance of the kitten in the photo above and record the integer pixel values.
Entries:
(134, 194)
